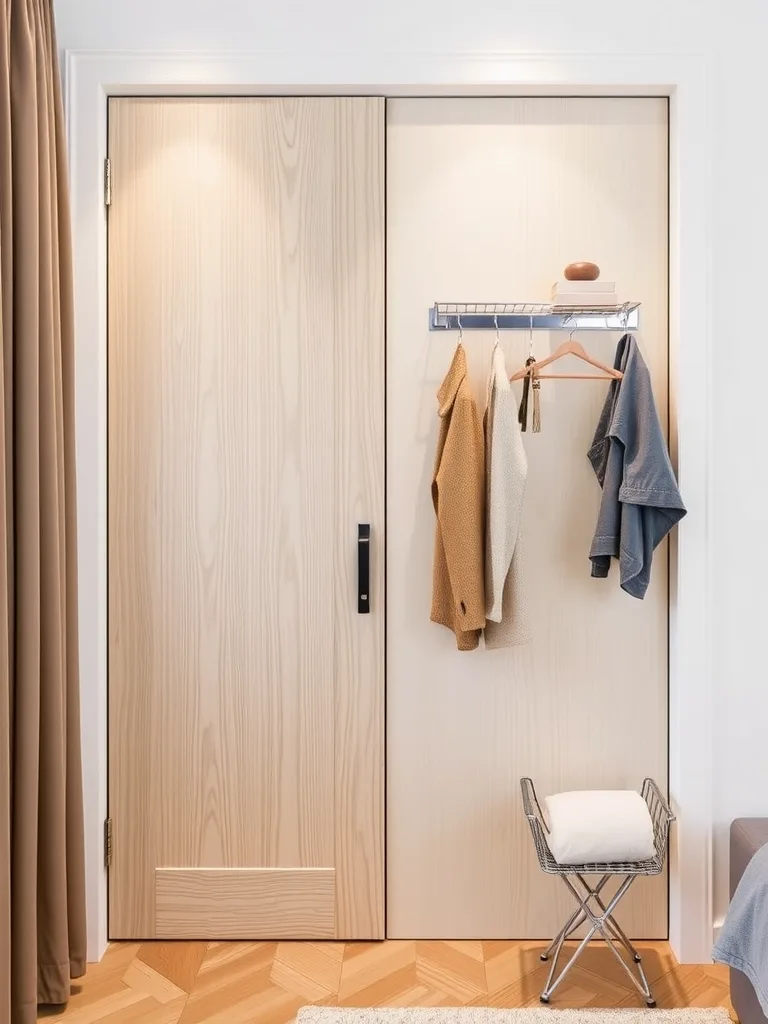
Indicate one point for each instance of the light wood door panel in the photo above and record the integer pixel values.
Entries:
(246, 442)
(489, 199)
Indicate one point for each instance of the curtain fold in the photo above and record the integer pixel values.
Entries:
(42, 887)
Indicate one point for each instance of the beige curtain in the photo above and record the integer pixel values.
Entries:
(42, 891)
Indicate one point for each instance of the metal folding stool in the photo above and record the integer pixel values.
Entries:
(592, 909)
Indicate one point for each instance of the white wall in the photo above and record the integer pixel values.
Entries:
(419, 25)
(732, 35)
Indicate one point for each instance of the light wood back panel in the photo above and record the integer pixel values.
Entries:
(489, 200)
(246, 441)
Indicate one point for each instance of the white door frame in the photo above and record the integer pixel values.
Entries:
(91, 77)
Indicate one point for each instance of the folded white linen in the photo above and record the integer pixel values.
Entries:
(599, 826)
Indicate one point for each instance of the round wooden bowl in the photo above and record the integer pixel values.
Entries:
(582, 272)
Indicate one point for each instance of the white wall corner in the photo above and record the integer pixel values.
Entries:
(691, 638)
(86, 116)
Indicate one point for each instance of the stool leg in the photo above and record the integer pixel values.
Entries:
(574, 921)
(641, 983)
(621, 936)
(606, 924)
(615, 927)
(551, 985)
(608, 928)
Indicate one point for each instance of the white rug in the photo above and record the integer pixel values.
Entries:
(483, 1015)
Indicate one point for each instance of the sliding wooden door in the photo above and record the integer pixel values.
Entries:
(246, 444)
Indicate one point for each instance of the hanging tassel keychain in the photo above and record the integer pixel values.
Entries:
(522, 416)
(536, 385)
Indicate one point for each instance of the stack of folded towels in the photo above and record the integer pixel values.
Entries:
(584, 293)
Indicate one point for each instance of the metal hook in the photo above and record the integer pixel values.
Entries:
(496, 325)
(530, 337)
(461, 332)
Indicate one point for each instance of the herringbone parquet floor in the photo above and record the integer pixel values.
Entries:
(266, 983)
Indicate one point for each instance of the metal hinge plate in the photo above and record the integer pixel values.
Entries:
(108, 842)
(107, 182)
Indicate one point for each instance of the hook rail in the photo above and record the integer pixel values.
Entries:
(534, 316)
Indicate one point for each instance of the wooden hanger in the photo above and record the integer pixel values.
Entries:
(568, 348)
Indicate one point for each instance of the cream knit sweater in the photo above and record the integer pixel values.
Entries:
(506, 469)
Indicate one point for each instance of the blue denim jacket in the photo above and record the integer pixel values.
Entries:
(641, 501)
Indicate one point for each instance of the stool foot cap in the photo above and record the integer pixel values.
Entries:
(637, 959)
(544, 957)
(545, 999)
(651, 1004)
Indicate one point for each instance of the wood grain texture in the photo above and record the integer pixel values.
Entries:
(359, 453)
(246, 982)
(489, 200)
(235, 903)
(178, 962)
(238, 331)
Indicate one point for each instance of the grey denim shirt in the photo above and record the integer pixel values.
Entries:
(641, 501)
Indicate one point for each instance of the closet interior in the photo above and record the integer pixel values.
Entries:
(490, 199)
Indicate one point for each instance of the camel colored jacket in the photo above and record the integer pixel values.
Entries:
(458, 495)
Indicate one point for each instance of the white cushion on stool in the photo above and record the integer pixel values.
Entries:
(599, 826)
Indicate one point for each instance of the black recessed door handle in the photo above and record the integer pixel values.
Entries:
(363, 568)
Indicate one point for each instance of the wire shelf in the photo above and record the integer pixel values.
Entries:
(536, 316)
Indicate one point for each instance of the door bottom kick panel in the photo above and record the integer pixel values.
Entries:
(245, 903)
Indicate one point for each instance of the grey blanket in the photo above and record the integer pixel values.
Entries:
(743, 941)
